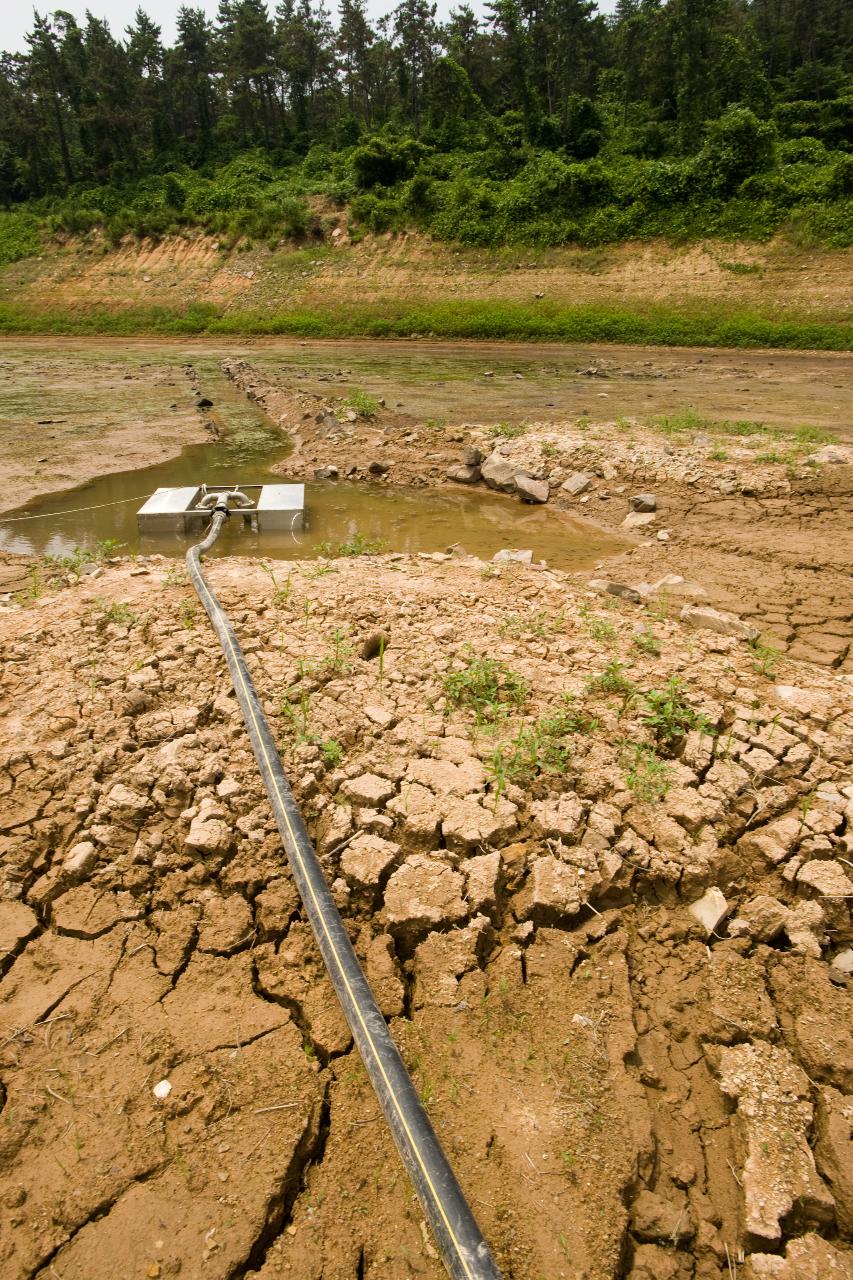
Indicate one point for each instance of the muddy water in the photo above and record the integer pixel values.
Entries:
(400, 519)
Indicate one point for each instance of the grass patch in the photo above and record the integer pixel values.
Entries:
(468, 318)
(366, 406)
(486, 686)
(357, 545)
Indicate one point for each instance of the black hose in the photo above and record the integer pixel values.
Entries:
(463, 1248)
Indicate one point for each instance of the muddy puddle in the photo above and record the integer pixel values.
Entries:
(249, 448)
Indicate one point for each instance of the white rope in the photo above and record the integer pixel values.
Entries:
(73, 511)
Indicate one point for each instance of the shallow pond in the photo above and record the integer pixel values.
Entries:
(401, 519)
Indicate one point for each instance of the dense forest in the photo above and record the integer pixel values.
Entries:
(542, 122)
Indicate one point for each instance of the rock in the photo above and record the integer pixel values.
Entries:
(79, 861)
(530, 490)
(463, 475)
(326, 473)
(762, 919)
(643, 502)
(499, 474)
(482, 881)
(827, 879)
(507, 556)
(472, 456)
(623, 592)
(421, 895)
(804, 928)
(367, 860)
(835, 454)
(556, 891)
(226, 925)
(654, 1218)
(369, 790)
(378, 468)
(211, 835)
(202, 402)
(577, 483)
(709, 910)
(705, 618)
(638, 519)
(125, 807)
(843, 962)
(775, 842)
(834, 1152)
(772, 1123)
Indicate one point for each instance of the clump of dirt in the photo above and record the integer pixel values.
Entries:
(743, 517)
(596, 864)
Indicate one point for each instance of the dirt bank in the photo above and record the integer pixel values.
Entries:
(750, 518)
(624, 1091)
(777, 279)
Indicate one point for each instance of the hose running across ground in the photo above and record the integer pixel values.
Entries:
(463, 1248)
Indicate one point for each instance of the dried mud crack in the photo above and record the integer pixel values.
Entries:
(596, 863)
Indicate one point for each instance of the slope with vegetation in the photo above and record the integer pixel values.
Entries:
(538, 125)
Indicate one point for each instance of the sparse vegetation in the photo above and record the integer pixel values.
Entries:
(357, 545)
(486, 686)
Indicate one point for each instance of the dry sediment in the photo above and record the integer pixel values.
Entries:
(622, 1092)
(761, 526)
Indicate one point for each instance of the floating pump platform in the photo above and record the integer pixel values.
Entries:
(264, 508)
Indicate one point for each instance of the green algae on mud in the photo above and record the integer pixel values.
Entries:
(711, 326)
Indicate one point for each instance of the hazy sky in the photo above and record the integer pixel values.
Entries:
(16, 18)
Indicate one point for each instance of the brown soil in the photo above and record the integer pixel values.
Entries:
(176, 271)
(622, 1093)
(757, 522)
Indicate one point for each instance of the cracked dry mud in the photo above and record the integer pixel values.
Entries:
(761, 524)
(622, 1092)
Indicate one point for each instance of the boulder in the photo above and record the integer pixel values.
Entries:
(463, 474)
(705, 618)
(576, 484)
(530, 490)
(638, 519)
(643, 502)
(499, 474)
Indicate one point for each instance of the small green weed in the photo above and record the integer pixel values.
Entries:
(187, 614)
(357, 545)
(668, 715)
(280, 594)
(35, 589)
(647, 642)
(115, 611)
(331, 751)
(612, 680)
(717, 455)
(508, 430)
(486, 686)
(742, 268)
(764, 657)
(366, 406)
(602, 631)
(338, 660)
(648, 776)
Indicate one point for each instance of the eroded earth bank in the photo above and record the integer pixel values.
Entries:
(606, 914)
